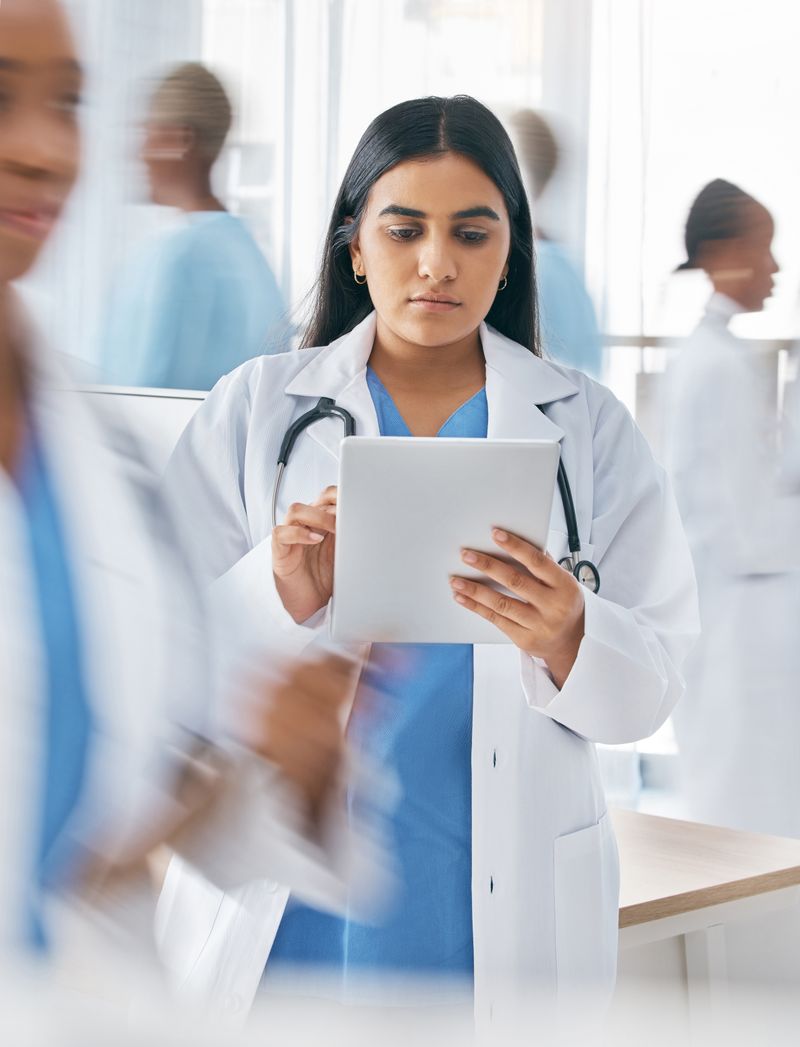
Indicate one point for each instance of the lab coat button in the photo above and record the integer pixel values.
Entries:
(232, 1004)
(491, 885)
(494, 758)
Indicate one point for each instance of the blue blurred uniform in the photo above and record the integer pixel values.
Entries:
(67, 719)
(570, 334)
(191, 306)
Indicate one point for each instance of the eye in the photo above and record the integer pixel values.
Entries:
(472, 236)
(403, 232)
(68, 103)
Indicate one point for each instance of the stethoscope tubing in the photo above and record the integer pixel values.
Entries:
(584, 570)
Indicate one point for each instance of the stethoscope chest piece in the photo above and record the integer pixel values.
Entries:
(584, 571)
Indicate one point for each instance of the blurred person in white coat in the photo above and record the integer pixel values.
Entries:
(738, 727)
(425, 323)
(110, 739)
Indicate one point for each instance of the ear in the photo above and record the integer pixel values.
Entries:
(188, 139)
(173, 142)
(719, 254)
(353, 247)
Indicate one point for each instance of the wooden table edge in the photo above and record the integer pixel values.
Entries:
(638, 913)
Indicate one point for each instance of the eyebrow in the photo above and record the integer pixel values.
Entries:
(412, 212)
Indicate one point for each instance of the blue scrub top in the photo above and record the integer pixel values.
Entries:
(191, 306)
(570, 334)
(67, 720)
(422, 731)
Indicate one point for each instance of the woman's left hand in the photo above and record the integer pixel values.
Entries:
(544, 617)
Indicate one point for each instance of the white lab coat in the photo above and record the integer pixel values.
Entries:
(146, 653)
(544, 860)
(738, 727)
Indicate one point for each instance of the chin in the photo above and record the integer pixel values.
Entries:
(433, 331)
(15, 261)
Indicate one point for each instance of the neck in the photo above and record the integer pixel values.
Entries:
(404, 366)
(11, 386)
(192, 193)
(731, 295)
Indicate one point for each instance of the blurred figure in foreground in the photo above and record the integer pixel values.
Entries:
(201, 299)
(739, 724)
(570, 334)
(110, 739)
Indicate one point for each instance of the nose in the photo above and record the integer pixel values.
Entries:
(39, 148)
(436, 262)
(773, 264)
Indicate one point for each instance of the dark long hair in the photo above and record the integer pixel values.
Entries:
(416, 129)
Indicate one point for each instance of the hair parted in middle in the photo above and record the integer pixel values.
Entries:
(415, 130)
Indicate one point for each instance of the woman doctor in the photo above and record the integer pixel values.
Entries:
(104, 654)
(737, 729)
(425, 324)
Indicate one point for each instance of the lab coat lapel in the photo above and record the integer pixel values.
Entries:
(517, 385)
(339, 372)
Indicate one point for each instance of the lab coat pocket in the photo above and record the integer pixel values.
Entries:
(586, 886)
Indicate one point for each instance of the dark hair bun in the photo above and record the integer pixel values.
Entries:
(719, 212)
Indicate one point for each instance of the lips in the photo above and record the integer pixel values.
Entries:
(435, 303)
(32, 222)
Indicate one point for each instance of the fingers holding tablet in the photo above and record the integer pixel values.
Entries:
(541, 611)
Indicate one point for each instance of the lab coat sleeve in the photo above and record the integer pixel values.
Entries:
(626, 677)
(207, 475)
(256, 828)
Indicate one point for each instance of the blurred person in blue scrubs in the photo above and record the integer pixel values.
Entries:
(569, 330)
(111, 740)
(197, 301)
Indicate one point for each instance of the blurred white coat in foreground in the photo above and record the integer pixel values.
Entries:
(150, 669)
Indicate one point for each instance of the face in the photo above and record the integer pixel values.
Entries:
(40, 84)
(433, 243)
(743, 268)
(164, 151)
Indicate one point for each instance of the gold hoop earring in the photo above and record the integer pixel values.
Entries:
(504, 284)
(363, 279)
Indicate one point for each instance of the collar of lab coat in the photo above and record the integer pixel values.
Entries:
(517, 382)
(722, 308)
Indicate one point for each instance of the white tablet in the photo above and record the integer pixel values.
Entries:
(406, 508)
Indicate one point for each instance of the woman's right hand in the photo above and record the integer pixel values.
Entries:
(302, 555)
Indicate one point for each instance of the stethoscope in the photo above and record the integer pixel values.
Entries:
(584, 570)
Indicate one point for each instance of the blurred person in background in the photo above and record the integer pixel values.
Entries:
(107, 704)
(739, 725)
(569, 330)
(200, 299)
